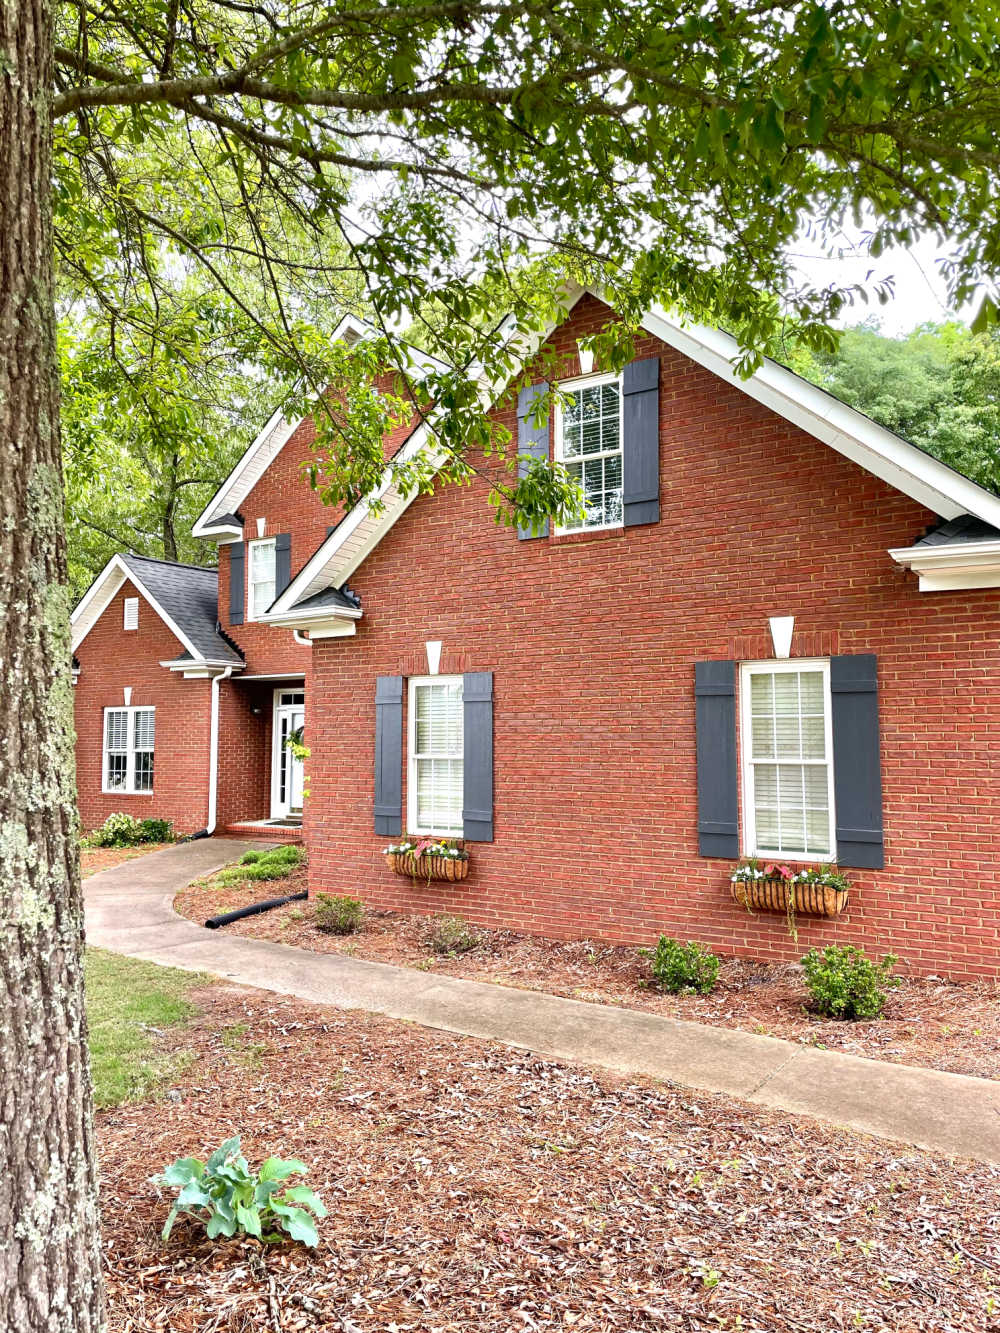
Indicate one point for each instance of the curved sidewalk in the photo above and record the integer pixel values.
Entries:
(129, 911)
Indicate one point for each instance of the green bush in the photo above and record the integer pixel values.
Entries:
(680, 967)
(451, 936)
(121, 830)
(339, 915)
(156, 830)
(844, 983)
(229, 1198)
(277, 863)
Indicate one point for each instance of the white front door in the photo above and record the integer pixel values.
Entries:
(286, 769)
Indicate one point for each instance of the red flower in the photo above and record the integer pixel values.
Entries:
(785, 872)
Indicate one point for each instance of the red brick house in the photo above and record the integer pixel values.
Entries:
(776, 632)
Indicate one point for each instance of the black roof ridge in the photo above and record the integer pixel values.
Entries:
(173, 564)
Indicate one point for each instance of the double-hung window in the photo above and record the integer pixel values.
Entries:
(589, 446)
(129, 742)
(787, 760)
(435, 768)
(262, 576)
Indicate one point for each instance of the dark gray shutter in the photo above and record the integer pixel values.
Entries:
(282, 562)
(532, 441)
(641, 441)
(857, 771)
(477, 769)
(237, 582)
(715, 726)
(389, 756)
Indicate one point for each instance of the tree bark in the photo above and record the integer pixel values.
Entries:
(49, 1250)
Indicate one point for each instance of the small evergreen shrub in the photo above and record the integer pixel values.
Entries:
(844, 983)
(451, 936)
(339, 915)
(121, 830)
(680, 967)
(156, 830)
(229, 1198)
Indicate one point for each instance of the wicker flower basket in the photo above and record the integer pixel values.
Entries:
(771, 895)
(427, 867)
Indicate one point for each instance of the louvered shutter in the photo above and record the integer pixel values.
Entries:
(715, 727)
(857, 770)
(389, 756)
(532, 441)
(237, 582)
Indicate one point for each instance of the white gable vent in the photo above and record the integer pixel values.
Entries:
(131, 613)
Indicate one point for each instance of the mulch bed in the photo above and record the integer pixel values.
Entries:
(928, 1022)
(93, 859)
(472, 1187)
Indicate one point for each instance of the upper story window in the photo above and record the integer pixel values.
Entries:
(787, 750)
(436, 741)
(131, 620)
(589, 446)
(129, 742)
(262, 576)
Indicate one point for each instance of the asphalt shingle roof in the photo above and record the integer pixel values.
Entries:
(965, 528)
(329, 597)
(189, 594)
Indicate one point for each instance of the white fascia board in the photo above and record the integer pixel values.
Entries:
(201, 666)
(952, 567)
(100, 595)
(241, 481)
(879, 451)
(301, 618)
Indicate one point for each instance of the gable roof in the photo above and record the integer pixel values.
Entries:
(879, 451)
(221, 518)
(185, 597)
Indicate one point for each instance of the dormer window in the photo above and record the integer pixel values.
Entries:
(262, 576)
(589, 446)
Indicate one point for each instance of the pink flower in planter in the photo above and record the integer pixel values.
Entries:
(784, 871)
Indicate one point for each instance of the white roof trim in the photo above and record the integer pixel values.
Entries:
(99, 596)
(953, 566)
(879, 451)
(262, 452)
(186, 664)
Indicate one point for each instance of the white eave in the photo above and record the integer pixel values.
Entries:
(318, 622)
(199, 668)
(952, 566)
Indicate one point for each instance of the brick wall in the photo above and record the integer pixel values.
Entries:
(112, 658)
(593, 641)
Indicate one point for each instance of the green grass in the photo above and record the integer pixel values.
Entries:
(126, 1001)
(277, 863)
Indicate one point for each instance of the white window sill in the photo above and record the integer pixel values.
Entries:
(123, 791)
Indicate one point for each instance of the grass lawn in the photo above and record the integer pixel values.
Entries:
(131, 1005)
(472, 1187)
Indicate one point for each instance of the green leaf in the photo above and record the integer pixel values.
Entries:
(277, 1169)
(218, 1225)
(297, 1223)
(303, 1194)
(188, 1168)
(249, 1220)
(222, 1152)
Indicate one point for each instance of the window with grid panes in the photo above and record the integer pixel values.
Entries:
(129, 744)
(589, 446)
(263, 581)
(787, 760)
(436, 738)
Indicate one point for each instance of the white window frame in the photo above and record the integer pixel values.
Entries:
(747, 671)
(571, 386)
(131, 612)
(254, 611)
(412, 824)
(130, 751)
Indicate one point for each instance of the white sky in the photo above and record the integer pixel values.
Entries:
(920, 293)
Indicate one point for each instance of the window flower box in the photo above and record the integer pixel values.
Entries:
(426, 859)
(779, 888)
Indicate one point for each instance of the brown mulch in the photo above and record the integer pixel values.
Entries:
(93, 859)
(928, 1022)
(472, 1187)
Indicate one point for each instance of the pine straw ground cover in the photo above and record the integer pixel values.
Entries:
(94, 859)
(473, 1187)
(938, 1024)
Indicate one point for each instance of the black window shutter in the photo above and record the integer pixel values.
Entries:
(532, 441)
(389, 756)
(715, 726)
(641, 441)
(237, 582)
(477, 769)
(282, 562)
(857, 771)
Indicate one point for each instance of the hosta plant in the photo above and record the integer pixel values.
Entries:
(231, 1199)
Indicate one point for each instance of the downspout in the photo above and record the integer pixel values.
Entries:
(213, 754)
(304, 639)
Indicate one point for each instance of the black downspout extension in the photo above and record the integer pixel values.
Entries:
(193, 837)
(214, 922)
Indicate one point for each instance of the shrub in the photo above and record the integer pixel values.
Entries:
(844, 983)
(277, 863)
(121, 830)
(339, 915)
(680, 967)
(229, 1198)
(156, 830)
(451, 936)
(250, 858)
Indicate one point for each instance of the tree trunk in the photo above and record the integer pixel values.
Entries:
(169, 506)
(49, 1245)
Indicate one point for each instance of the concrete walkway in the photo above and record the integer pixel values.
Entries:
(128, 910)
